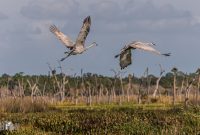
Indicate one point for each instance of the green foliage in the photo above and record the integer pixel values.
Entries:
(120, 120)
(25, 132)
(94, 79)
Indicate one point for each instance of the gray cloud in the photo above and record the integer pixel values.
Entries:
(141, 17)
(111, 16)
(27, 43)
(46, 9)
(3, 16)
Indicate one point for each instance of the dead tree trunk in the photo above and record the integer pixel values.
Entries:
(197, 91)
(44, 88)
(89, 97)
(122, 89)
(174, 90)
(76, 96)
(34, 89)
(139, 92)
(182, 87)
(187, 92)
(158, 81)
(83, 89)
(148, 83)
(21, 88)
(121, 93)
(198, 87)
(100, 94)
(129, 87)
(114, 85)
(11, 87)
(174, 70)
(96, 89)
(61, 86)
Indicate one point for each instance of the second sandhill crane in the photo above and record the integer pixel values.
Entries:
(125, 54)
(79, 46)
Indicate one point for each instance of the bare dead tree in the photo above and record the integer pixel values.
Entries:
(76, 90)
(21, 87)
(34, 88)
(109, 91)
(148, 83)
(11, 86)
(44, 88)
(174, 70)
(139, 96)
(89, 96)
(116, 74)
(61, 86)
(139, 91)
(83, 87)
(182, 87)
(122, 85)
(119, 74)
(187, 92)
(96, 89)
(158, 80)
(100, 92)
(198, 86)
(129, 86)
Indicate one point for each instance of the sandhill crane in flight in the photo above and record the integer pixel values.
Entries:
(77, 47)
(125, 54)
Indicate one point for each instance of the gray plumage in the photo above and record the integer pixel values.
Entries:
(125, 54)
(79, 46)
(125, 58)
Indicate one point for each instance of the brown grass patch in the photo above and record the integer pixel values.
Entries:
(23, 105)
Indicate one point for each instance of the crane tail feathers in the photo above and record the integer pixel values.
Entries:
(53, 28)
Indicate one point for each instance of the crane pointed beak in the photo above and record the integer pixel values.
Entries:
(95, 43)
(62, 59)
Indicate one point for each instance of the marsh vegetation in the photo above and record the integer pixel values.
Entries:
(96, 104)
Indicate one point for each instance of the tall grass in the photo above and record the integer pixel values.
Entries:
(24, 105)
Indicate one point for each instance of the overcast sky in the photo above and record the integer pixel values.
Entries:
(26, 44)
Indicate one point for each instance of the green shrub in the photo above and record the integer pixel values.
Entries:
(111, 121)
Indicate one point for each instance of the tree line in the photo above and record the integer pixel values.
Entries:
(89, 87)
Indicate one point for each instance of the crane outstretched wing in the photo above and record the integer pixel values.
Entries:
(62, 37)
(125, 54)
(125, 58)
(145, 47)
(83, 32)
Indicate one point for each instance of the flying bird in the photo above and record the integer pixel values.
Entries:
(77, 47)
(125, 54)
